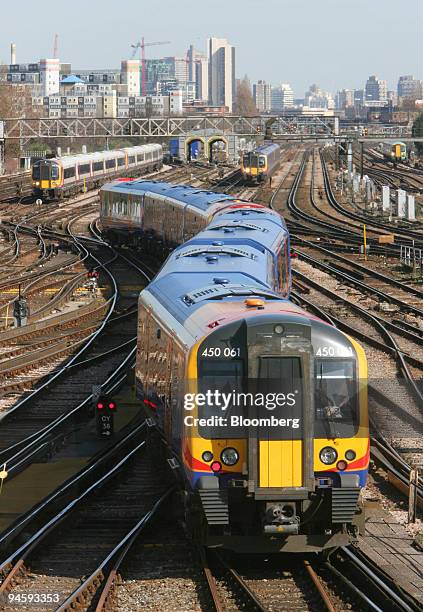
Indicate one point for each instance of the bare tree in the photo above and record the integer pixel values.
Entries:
(244, 104)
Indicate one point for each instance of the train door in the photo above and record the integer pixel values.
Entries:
(280, 438)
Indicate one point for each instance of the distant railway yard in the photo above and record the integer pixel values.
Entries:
(97, 511)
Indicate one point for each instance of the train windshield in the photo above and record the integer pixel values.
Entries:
(246, 159)
(36, 171)
(335, 398)
(54, 172)
(221, 378)
(262, 161)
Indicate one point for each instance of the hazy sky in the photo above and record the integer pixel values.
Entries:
(334, 43)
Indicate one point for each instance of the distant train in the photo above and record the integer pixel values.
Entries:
(63, 176)
(264, 404)
(394, 150)
(258, 165)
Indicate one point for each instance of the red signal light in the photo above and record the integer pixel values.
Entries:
(112, 406)
(216, 466)
(100, 405)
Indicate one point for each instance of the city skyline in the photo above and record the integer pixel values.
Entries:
(323, 29)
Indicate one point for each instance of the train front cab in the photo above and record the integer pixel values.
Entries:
(47, 178)
(254, 167)
(273, 498)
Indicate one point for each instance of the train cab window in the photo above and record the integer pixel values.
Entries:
(55, 172)
(69, 172)
(262, 161)
(225, 376)
(246, 160)
(335, 397)
(36, 174)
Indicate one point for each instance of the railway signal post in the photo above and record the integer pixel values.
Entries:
(104, 413)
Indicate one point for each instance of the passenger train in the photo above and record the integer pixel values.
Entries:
(394, 150)
(63, 176)
(264, 404)
(260, 164)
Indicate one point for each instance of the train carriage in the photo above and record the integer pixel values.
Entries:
(394, 150)
(265, 404)
(260, 164)
(63, 176)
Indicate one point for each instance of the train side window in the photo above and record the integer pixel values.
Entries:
(84, 169)
(131, 159)
(98, 166)
(110, 163)
(121, 161)
(69, 172)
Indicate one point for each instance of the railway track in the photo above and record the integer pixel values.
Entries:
(86, 525)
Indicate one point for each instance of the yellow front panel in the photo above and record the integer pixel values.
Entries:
(281, 463)
(397, 151)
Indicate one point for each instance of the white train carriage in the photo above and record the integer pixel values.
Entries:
(63, 176)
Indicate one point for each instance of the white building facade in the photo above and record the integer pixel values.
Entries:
(221, 58)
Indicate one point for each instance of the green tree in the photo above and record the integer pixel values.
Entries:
(418, 131)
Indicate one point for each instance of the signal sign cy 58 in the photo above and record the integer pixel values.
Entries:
(105, 409)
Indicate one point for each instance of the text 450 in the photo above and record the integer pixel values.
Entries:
(221, 352)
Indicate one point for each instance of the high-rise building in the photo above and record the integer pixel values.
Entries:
(131, 77)
(221, 56)
(282, 97)
(50, 76)
(262, 93)
(409, 87)
(376, 89)
(318, 99)
(344, 99)
(198, 73)
(359, 96)
(178, 68)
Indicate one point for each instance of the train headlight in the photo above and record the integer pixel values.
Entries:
(350, 455)
(229, 456)
(328, 455)
(37, 183)
(207, 456)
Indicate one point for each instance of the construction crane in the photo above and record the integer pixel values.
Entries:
(56, 46)
(141, 46)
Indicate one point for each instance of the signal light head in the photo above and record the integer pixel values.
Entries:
(112, 406)
(100, 405)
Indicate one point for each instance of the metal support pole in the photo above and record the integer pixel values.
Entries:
(365, 242)
(412, 496)
(361, 159)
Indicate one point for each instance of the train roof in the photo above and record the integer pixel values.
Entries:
(194, 196)
(266, 148)
(394, 142)
(182, 294)
(186, 264)
(79, 158)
